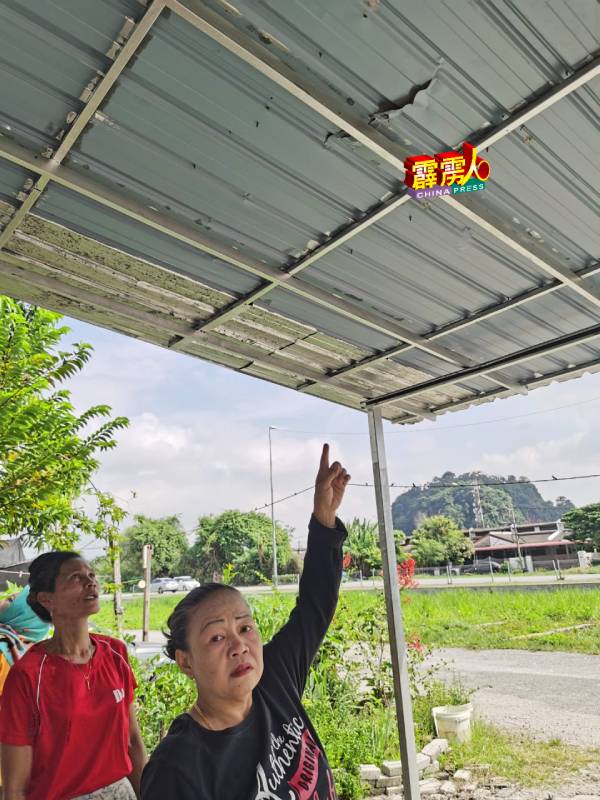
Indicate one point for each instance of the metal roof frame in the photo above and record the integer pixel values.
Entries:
(525, 354)
(326, 105)
(251, 53)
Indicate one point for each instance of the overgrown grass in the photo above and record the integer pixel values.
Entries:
(496, 619)
(519, 759)
(449, 618)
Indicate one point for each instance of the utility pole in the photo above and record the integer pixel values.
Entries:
(515, 532)
(477, 507)
(275, 576)
(115, 557)
(147, 564)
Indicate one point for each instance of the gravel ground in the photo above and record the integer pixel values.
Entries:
(546, 695)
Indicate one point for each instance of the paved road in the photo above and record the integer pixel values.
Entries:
(522, 581)
(544, 694)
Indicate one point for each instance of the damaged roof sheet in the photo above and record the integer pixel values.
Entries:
(225, 180)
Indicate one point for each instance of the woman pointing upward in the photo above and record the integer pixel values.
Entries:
(247, 736)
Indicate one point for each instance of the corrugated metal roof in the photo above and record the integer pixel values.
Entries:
(215, 161)
(12, 180)
(109, 227)
(49, 54)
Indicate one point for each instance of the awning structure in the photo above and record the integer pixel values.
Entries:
(226, 180)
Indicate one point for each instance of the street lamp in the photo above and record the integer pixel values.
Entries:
(274, 576)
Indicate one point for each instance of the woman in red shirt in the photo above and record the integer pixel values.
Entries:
(67, 722)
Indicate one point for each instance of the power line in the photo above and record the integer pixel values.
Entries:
(435, 485)
(447, 428)
(366, 484)
(553, 479)
(294, 494)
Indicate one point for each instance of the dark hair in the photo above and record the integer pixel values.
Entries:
(178, 621)
(43, 572)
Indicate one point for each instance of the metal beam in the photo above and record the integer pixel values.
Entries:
(479, 316)
(254, 55)
(404, 715)
(484, 220)
(15, 268)
(79, 123)
(327, 105)
(134, 209)
(573, 371)
(536, 351)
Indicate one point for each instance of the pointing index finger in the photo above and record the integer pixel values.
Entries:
(324, 463)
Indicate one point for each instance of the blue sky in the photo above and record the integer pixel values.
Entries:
(198, 439)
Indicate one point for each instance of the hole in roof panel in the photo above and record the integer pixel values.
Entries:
(107, 226)
(192, 125)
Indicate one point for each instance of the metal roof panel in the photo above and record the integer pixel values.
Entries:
(105, 225)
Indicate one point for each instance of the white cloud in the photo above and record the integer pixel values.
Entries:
(198, 438)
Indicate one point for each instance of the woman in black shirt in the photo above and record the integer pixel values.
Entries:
(248, 737)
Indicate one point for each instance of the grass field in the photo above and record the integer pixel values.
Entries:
(449, 618)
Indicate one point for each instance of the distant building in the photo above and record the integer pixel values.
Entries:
(545, 542)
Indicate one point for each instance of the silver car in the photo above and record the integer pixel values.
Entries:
(186, 583)
(162, 585)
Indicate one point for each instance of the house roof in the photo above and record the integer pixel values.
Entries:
(226, 180)
(523, 546)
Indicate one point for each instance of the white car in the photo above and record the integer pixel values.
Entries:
(161, 585)
(186, 583)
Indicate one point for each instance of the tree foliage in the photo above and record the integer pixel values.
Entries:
(168, 540)
(47, 451)
(457, 502)
(243, 540)
(585, 522)
(437, 540)
(362, 545)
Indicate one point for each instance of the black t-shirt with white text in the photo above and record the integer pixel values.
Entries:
(275, 753)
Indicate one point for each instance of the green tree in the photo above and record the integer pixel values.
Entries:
(362, 545)
(48, 453)
(243, 540)
(168, 540)
(437, 540)
(585, 522)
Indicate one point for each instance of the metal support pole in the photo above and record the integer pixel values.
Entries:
(275, 575)
(404, 715)
(147, 564)
(117, 584)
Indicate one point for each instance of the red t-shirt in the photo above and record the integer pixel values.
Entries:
(75, 716)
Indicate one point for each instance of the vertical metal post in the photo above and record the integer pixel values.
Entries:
(275, 575)
(117, 585)
(404, 715)
(147, 564)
